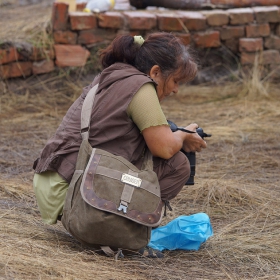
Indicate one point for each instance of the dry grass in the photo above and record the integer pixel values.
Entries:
(237, 185)
(24, 23)
(237, 177)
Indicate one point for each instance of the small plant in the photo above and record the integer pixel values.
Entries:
(255, 82)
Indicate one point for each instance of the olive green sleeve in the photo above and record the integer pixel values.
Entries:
(144, 108)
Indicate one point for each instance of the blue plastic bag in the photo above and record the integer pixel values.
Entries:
(184, 233)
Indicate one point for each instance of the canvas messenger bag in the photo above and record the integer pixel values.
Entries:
(110, 202)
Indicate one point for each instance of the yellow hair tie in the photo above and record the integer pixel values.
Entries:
(139, 40)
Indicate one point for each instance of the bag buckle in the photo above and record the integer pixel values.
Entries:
(123, 207)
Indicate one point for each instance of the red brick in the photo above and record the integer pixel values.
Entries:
(16, 69)
(41, 54)
(111, 20)
(82, 21)
(186, 38)
(8, 55)
(210, 39)
(60, 16)
(232, 44)
(91, 37)
(70, 55)
(170, 22)
(65, 37)
(216, 17)
(274, 71)
(140, 20)
(28, 52)
(130, 32)
(257, 30)
(229, 32)
(272, 42)
(241, 16)
(42, 67)
(267, 14)
(248, 58)
(193, 20)
(250, 44)
(80, 6)
(265, 57)
(277, 31)
(271, 57)
(244, 3)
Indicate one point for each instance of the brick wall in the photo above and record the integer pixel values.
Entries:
(244, 32)
(201, 4)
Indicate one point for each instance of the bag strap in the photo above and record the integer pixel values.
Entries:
(85, 125)
(86, 112)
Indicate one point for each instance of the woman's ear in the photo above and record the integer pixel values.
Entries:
(155, 72)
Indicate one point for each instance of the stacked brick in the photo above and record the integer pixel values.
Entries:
(240, 3)
(23, 60)
(246, 32)
(202, 4)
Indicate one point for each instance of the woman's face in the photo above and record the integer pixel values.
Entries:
(165, 86)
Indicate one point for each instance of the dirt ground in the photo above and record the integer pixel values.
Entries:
(236, 184)
(21, 23)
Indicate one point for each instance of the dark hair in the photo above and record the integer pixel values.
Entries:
(161, 48)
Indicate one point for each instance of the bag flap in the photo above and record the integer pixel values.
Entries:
(113, 184)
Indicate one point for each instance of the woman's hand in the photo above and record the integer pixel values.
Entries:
(193, 142)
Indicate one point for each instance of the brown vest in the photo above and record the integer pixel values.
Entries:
(111, 128)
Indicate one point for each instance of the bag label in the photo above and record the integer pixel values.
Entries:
(131, 180)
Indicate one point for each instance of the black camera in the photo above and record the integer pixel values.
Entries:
(190, 155)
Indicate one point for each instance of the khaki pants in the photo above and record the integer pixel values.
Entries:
(172, 174)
